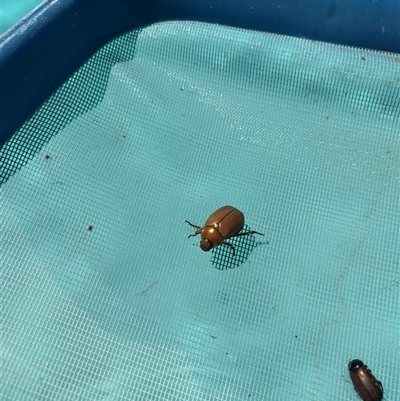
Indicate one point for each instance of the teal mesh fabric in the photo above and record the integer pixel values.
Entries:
(104, 297)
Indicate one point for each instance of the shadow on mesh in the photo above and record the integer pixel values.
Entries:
(222, 256)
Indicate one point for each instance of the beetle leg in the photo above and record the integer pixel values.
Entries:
(193, 225)
(199, 229)
(247, 233)
(196, 233)
(230, 246)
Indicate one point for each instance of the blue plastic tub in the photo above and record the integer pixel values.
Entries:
(121, 120)
(43, 49)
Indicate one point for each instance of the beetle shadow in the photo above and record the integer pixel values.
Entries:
(222, 256)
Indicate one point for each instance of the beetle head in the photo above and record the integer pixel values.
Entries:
(206, 245)
(355, 364)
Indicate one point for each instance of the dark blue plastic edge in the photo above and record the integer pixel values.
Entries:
(40, 52)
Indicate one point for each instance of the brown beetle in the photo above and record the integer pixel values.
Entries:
(226, 222)
(366, 385)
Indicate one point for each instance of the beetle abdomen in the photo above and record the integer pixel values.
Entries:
(227, 220)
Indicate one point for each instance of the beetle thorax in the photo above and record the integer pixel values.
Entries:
(212, 234)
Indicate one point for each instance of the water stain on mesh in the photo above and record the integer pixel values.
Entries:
(222, 256)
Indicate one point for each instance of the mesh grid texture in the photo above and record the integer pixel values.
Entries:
(103, 295)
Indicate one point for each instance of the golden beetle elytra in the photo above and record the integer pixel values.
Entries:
(226, 222)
